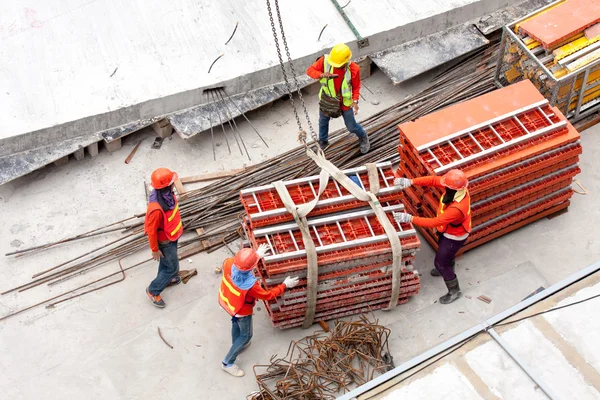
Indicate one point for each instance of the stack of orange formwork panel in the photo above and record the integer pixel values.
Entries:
(354, 254)
(519, 154)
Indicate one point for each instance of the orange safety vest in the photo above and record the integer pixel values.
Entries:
(464, 226)
(231, 297)
(171, 228)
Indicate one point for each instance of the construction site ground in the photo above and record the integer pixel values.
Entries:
(105, 345)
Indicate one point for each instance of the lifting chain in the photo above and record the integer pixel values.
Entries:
(302, 133)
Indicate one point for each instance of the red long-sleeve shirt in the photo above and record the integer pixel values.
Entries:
(451, 215)
(315, 71)
(257, 292)
(154, 222)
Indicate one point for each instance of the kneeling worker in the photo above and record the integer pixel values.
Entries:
(237, 295)
(339, 94)
(453, 223)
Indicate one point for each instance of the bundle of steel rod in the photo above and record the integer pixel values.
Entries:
(321, 366)
(353, 251)
(216, 208)
(519, 153)
(558, 48)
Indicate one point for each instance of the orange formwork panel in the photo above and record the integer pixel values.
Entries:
(469, 113)
(563, 21)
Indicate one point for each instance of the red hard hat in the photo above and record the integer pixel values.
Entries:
(455, 179)
(163, 177)
(246, 259)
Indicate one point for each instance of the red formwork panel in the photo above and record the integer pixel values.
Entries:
(525, 199)
(533, 209)
(562, 22)
(268, 200)
(513, 227)
(477, 236)
(339, 270)
(346, 302)
(515, 197)
(358, 309)
(341, 298)
(341, 304)
(517, 189)
(469, 113)
(329, 234)
(487, 139)
(331, 288)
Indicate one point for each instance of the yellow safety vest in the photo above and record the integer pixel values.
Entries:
(328, 87)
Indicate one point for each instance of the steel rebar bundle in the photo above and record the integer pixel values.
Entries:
(320, 366)
(216, 208)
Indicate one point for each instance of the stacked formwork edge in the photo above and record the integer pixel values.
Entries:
(558, 48)
(354, 254)
(519, 154)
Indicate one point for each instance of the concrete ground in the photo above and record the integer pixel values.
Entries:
(105, 345)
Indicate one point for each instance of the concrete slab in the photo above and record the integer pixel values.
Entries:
(498, 19)
(410, 59)
(111, 334)
(141, 59)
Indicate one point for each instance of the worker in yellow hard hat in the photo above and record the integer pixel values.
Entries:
(340, 91)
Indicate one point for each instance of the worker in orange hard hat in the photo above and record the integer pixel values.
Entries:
(340, 91)
(453, 223)
(237, 295)
(164, 227)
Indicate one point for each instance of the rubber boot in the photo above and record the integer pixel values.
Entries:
(435, 272)
(365, 145)
(453, 292)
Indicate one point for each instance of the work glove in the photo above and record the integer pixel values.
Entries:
(290, 282)
(262, 250)
(402, 218)
(403, 183)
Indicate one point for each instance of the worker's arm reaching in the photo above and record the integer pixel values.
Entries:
(452, 215)
(258, 292)
(315, 71)
(434, 181)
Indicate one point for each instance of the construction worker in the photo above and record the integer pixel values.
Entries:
(453, 223)
(238, 294)
(339, 94)
(164, 227)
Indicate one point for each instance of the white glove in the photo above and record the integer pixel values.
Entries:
(402, 218)
(262, 250)
(290, 282)
(403, 183)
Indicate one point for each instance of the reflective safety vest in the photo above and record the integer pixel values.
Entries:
(171, 228)
(462, 227)
(328, 86)
(231, 297)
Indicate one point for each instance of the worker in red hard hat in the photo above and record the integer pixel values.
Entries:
(453, 223)
(164, 227)
(238, 293)
(340, 91)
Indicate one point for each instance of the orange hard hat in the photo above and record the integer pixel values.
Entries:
(455, 179)
(163, 177)
(246, 259)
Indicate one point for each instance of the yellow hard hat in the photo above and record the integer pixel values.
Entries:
(340, 55)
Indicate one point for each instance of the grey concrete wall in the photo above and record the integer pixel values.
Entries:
(239, 84)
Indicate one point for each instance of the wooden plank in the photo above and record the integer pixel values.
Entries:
(210, 177)
(179, 187)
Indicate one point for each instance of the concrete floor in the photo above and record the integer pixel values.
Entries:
(105, 345)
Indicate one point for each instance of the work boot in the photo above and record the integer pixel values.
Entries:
(323, 144)
(175, 281)
(453, 292)
(156, 300)
(364, 144)
(233, 369)
(435, 272)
